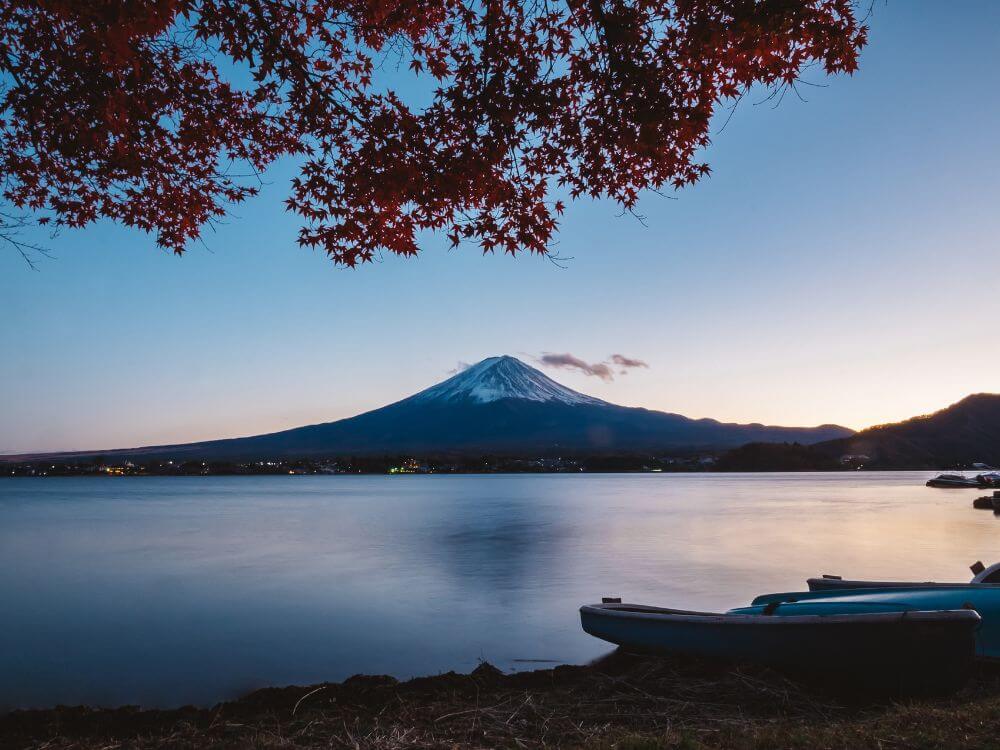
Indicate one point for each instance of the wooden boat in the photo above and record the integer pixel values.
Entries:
(982, 598)
(874, 647)
(982, 576)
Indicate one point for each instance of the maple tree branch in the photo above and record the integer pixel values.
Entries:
(143, 119)
(11, 226)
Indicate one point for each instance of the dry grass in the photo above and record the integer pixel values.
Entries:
(624, 702)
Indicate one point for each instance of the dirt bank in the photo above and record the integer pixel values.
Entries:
(621, 702)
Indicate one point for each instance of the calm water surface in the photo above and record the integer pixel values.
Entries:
(165, 591)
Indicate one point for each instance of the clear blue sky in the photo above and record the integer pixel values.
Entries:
(841, 265)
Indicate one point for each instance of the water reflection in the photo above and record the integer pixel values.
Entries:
(171, 590)
(495, 543)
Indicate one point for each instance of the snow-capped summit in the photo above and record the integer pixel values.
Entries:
(497, 378)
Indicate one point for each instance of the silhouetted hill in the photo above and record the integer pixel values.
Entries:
(962, 434)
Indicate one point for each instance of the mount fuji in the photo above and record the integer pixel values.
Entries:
(501, 406)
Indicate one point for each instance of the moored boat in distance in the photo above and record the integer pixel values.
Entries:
(989, 479)
(956, 481)
(988, 502)
(871, 648)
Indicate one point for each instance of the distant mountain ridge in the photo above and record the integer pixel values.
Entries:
(961, 434)
(499, 405)
(958, 436)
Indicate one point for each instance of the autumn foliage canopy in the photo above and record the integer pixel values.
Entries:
(161, 114)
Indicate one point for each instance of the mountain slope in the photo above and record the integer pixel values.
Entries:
(499, 405)
(961, 434)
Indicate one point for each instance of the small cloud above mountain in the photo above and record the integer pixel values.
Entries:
(627, 362)
(460, 367)
(602, 370)
(569, 362)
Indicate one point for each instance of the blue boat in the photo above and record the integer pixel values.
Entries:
(982, 598)
(880, 648)
(983, 576)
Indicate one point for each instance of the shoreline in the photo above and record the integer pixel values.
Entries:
(621, 701)
(561, 472)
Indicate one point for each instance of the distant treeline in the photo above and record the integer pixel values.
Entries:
(747, 458)
(778, 457)
(384, 464)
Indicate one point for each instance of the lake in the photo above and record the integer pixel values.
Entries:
(163, 591)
